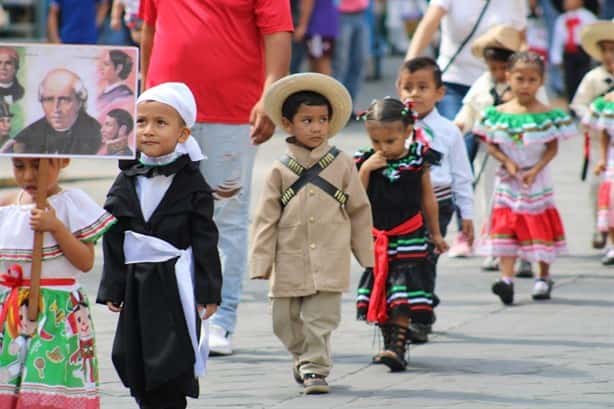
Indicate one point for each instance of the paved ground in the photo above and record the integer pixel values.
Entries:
(558, 354)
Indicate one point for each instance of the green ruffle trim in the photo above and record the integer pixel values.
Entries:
(600, 115)
(524, 129)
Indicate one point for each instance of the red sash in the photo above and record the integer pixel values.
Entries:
(14, 280)
(377, 311)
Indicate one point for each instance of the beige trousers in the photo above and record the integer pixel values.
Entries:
(304, 325)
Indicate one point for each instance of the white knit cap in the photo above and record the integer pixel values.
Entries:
(178, 96)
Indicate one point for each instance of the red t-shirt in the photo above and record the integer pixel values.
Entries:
(216, 47)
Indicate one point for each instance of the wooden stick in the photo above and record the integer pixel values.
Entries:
(37, 249)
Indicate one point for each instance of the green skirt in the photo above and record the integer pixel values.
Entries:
(50, 363)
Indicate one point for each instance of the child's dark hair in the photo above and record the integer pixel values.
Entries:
(424, 63)
(527, 57)
(497, 54)
(309, 98)
(389, 110)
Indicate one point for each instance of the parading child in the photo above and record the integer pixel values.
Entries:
(601, 118)
(161, 265)
(598, 42)
(420, 83)
(495, 46)
(398, 290)
(50, 362)
(523, 135)
(313, 214)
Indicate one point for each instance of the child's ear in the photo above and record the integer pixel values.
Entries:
(185, 134)
(286, 124)
(441, 92)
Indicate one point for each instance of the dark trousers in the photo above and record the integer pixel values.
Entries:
(446, 210)
(576, 65)
(171, 395)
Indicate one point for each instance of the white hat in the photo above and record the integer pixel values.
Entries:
(336, 94)
(178, 96)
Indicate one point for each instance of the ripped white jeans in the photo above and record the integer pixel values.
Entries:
(228, 170)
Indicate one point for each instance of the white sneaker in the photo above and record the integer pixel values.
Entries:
(490, 264)
(220, 341)
(542, 289)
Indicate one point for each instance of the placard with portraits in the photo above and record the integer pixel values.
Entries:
(68, 101)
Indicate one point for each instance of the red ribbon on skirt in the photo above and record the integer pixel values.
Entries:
(14, 280)
(378, 308)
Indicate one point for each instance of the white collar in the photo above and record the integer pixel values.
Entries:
(7, 85)
(431, 117)
(159, 160)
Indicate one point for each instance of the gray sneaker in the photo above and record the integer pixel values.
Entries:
(490, 264)
(523, 269)
(315, 384)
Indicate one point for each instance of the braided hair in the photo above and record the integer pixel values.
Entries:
(390, 110)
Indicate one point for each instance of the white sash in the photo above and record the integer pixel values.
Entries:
(140, 248)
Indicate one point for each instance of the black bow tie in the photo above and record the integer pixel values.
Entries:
(139, 169)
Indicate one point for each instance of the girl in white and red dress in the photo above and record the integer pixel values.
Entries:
(523, 135)
(601, 117)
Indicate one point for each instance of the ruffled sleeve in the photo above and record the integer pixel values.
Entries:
(84, 218)
(600, 115)
(503, 128)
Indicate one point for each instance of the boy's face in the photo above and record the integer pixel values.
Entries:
(5, 126)
(420, 88)
(497, 70)
(309, 125)
(159, 128)
(607, 54)
(572, 4)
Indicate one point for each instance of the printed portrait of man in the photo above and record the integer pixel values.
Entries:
(10, 88)
(116, 129)
(66, 127)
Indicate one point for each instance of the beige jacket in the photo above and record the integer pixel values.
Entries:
(305, 247)
(592, 85)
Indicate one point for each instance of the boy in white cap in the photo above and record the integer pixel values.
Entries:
(313, 214)
(161, 266)
(598, 42)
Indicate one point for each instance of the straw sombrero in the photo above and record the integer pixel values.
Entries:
(330, 88)
(500, 36)
(592, 34)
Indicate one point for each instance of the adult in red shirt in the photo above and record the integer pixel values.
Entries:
(228, 52)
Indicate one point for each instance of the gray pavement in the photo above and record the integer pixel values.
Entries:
(556, 354)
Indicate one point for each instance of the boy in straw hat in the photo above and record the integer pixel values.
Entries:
(495, 46)
(598, 42)
(313, 214)
(161, 267)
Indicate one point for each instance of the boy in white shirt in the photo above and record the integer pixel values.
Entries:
(566, 47)
(598, 41)
(420, 82)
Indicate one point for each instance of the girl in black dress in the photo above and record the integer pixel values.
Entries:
(395, 174)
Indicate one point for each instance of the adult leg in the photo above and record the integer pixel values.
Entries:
(453, 100)
(228, 170)
(358, 53)
(341, 54)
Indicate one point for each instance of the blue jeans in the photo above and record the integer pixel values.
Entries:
(298, 55)
(555, 76)
(230, 161)
(351, 51)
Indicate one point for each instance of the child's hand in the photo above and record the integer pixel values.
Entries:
(207, 311)
(375, 161)
(113, 308)
(440, 244)
(467, 229)
(528, 177)
(511, 167)
(600, 167)
(44, 220)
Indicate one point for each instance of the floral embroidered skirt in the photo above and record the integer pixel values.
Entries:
(50, 363)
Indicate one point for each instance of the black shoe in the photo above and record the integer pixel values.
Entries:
(505, 291)
(315, 384)
(418, 333)
(599, 240)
